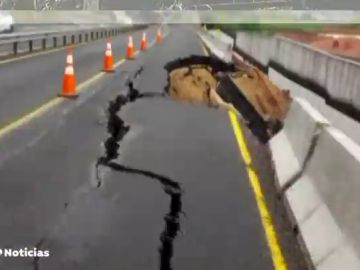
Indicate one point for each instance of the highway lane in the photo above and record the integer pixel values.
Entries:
(52, 197)
(18, 98)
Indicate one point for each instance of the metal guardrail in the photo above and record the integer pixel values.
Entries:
(13, 44)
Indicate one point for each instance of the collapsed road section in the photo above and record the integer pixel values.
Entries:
(210, 81)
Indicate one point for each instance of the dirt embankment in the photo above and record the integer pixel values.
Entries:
(347, 45)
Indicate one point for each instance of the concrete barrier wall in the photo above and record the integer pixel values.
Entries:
(219, 44)
(292, 145)
(341, 121)
(317, 165)
(324, 202)
(335, 170)
(335, 80)
(337, 77)
(318, 170)
(224, 38)
(260, 47)
(316, 157)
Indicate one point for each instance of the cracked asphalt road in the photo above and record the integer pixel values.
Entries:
(177, 196)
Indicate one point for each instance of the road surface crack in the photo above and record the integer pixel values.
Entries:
(36, 259)
(118, 129)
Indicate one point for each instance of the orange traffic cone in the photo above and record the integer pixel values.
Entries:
(69, 82)
(143, 44)
(158, 36)
(108, 58)
(130, 48)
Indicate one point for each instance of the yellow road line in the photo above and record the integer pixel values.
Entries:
(270, 233)
(266, 220)
(37, 112)
(26, 118)
(49, 104)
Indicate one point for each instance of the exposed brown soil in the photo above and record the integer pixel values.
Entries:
(196, 85)
(270, 102)
(340, 44)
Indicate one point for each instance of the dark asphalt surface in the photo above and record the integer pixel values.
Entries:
(18, 98)
(51, 196)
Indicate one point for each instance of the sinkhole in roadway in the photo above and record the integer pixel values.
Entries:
(214, 83)
(195, 80)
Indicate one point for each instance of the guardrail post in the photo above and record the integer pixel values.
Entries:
(97, 35)
(44, 44)
(64, 41)
(86, 37)
(30, 45)
(15, 47)
(54, 42)
(80, 38)
(72, 39)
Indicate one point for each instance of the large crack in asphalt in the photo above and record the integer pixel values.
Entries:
(117, 130)
(36, 259)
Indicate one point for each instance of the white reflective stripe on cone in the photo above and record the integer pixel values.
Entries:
(69, 70)
(69, 59)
